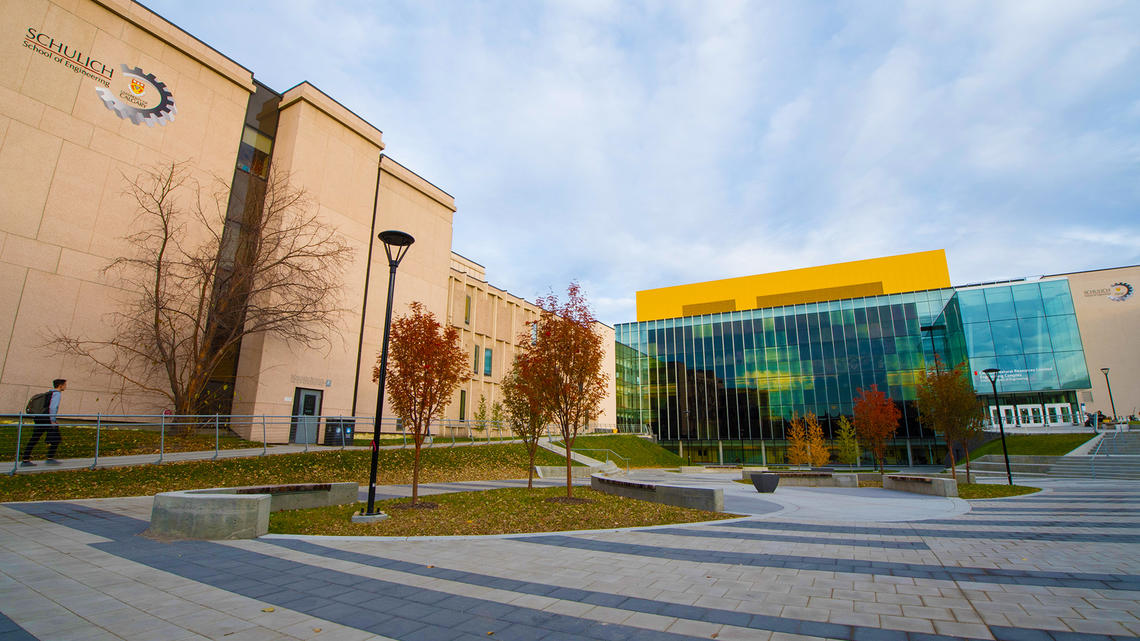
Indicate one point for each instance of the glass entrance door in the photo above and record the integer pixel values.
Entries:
(1059, 413)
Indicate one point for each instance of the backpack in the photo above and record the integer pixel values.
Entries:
(39, 403)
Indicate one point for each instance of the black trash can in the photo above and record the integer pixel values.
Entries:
(339, 431)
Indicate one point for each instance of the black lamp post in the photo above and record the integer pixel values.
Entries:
(931, 329)
(1104, 370)
(396, 244)
(991, 374)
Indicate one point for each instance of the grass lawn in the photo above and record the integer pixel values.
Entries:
(641, 452)
(79, 441)
(987, 491)
(485, 462)
(1033, 445)
(490, 512)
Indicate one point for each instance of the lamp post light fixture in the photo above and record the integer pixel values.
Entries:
(1104, 370)
(991, 374)
(931, 329)
(396, 244)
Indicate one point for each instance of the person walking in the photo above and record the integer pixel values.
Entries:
(47, 427)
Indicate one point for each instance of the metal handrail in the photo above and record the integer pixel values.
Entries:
(1096, 452)
(608, 452)
(203, 424)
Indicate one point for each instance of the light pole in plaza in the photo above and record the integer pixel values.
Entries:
(931, 329)
(396, 244)
(1104, 370)
(991, 374)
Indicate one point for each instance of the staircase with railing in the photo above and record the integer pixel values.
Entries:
(1116, 456)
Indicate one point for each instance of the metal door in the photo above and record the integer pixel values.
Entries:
(306, 415)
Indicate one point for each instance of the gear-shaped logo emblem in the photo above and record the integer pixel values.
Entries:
(1120, 292)
(137, 102)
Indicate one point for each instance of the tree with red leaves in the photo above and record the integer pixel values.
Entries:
(876, 419)
(563, 358)
(525, 409)
(425, 365)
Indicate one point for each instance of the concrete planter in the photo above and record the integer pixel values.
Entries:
(765, 483)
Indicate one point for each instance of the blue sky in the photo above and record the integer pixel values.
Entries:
(632, 145)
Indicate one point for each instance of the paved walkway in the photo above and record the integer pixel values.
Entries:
(1063, 564)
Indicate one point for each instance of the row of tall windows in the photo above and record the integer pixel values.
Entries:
(746, 374)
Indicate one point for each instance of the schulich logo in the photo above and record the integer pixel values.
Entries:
(143, 99)
(131, 94)
(1120, 292)
(1117, 292)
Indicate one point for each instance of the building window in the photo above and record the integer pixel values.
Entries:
(253, 153)
(487, 362)
(467, 312)
(462, 404)
(475, 367)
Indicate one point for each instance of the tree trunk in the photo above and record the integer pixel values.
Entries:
(954, 465)
(416, 471)
(566, 442)
(532, 446)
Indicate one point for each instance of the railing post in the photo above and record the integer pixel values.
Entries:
(264, 442)
(19, 436)
(215, 437)
(342, 431)
(98, 430)
(161, 438)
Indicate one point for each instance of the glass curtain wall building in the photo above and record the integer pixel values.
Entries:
(724, 387)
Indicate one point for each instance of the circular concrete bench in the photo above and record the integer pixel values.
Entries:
(238, 512)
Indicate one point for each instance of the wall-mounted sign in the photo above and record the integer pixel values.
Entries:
(311, 381)
(1117, 292)
(131, 94)
(140, 98)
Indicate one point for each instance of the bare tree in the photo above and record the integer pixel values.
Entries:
(198, 280)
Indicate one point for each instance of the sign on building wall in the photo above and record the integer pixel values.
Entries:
(1117, 292)
(128, 92)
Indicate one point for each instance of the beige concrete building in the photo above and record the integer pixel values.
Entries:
(1108, 312)
(96, 90)
(491, 322)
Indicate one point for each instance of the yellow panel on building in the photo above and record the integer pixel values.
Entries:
(886, 275)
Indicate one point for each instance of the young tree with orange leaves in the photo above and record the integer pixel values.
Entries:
(563, 356)
(876, 419)
(525, 410)
(425, 365)
(806, 444)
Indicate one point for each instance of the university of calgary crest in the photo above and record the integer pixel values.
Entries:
(139, 97)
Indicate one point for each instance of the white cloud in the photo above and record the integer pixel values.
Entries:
(638, 145)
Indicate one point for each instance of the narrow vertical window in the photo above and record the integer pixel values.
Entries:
(475, 366)
(467, 311)
(487, 362)
(462, 404)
